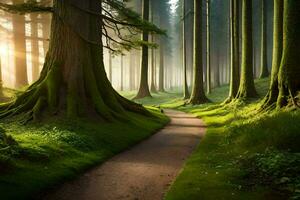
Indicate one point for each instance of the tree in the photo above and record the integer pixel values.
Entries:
(153, 66)
(161, 76)
(289, 72)
(271, 98)
(20, 48)
(208, 63)
(34, 46)
(264, 60)
(73, 81)
(122, 73)
(247, 88)
(110, 58)
(234, 56)
(144, 86)
(198, 94)
(186, 94)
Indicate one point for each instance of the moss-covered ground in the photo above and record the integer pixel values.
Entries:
(244, 155)
(38, 156)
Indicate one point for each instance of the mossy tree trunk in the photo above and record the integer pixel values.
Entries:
(289, 72)
(247, 88)
(264, 72)
(73, 81)
(234, 56)
(18, 22)
(271, 98)
(186, 94)
(198, 93)
(144, 85)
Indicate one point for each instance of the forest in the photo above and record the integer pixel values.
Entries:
(149, 99)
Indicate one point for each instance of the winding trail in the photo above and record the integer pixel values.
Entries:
(144, 172)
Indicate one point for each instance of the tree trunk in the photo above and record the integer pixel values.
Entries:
(289, 72)
(247, 88)
(264, 59)
(73, 81)
(234, 56)
(18, 22)
(110, 59)
(46, 31)
(198, 94)
(208, 63)
(1, 80)
(271, 98)
(34, 47)
(122, 74)
(152, 87)
(144, 86)
(161, 76)
(186, 94)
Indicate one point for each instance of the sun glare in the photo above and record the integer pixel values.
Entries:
(173, 4)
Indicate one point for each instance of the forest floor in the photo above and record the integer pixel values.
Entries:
(43, 155)
(244, 154)
(144, 171)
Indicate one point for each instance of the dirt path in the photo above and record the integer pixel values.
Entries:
(145, 171)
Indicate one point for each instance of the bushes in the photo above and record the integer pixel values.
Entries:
(279, 169)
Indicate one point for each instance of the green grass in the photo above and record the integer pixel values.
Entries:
(47, 154)
(244, 155)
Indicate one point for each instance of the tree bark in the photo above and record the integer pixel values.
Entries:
(247, 89)
(198, 94)
(161, 76)
(186, 94)
(234, 56)
(289, 72)
(208, 63)
(152, 87)
(34, 47)
(264, 59)
(144, 86)
(18, 22)
(271, 98)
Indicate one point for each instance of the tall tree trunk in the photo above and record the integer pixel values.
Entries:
(132, 72)
(289, 72)
(144, 86)
(270, 100)
(110, 60)
(186, 94)
(247, 88)
(18, 22)
(73, 81)
(46, 31)
(161, 76)
(198, 94)
(152, 87)
(122, 73)
(264, 58)
(234, 56)
(208, 63)
(34, 47)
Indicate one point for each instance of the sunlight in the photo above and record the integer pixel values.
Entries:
(173, 4)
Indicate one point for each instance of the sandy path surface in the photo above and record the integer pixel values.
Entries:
(144, 172)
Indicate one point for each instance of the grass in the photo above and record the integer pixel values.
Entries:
(244, 155)
(41, 156)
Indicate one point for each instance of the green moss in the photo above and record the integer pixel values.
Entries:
(50, 153)
(230, 159)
